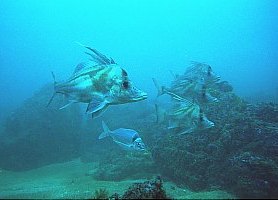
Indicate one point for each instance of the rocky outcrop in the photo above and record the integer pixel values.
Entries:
(36, 135)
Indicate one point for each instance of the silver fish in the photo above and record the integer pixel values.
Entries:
(184, 115)
(127, 139)
(99, 82)
(199, 70)
(196, 83)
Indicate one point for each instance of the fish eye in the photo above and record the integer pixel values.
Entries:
(125, 84)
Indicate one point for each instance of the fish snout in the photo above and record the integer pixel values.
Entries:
(139, 145)
(207, 123)
(211, 124)
(138, 95)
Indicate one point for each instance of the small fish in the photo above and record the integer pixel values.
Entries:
(184, 115)
(127, 139)
(195, 83)
(199, 70)
(100, 82)
(187, 90)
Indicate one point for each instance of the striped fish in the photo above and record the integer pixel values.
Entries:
(183, 114)
(99, 82)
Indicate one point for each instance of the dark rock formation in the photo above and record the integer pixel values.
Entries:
(36, 135)
(239, 154)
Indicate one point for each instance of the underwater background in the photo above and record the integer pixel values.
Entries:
(50, 153)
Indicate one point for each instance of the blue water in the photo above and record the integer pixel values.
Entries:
(149, 38)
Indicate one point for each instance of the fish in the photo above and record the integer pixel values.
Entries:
(128, 139)
(195, 83)
(199, 70)
(184, 115)
(99, 82)
(196, 91)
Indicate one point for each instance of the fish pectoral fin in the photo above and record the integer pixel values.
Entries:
(68, 104)
(96, 105)
(99, 112)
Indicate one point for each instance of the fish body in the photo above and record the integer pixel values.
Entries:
(99, 82)
(194, 84)
(184, 115)
(199, 71)
(187, 91)
(128, 139)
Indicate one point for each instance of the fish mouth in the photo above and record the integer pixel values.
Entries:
(210, 125)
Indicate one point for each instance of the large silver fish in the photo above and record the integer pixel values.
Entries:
(99, 82)
(127, 139)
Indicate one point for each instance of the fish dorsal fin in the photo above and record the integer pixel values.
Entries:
(83, 65)
(79, 67)
(98, 57)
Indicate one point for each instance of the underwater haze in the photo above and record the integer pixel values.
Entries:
(215, 136)
(149, 38)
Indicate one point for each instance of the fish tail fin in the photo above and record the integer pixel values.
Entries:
(54, 93)
(106, 131)
(160, 114)
(160, 89)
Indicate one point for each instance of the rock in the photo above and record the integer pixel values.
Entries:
(239, 154)
(36, 135)
(146, 190)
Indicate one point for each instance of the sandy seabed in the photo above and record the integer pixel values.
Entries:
(74, 180)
